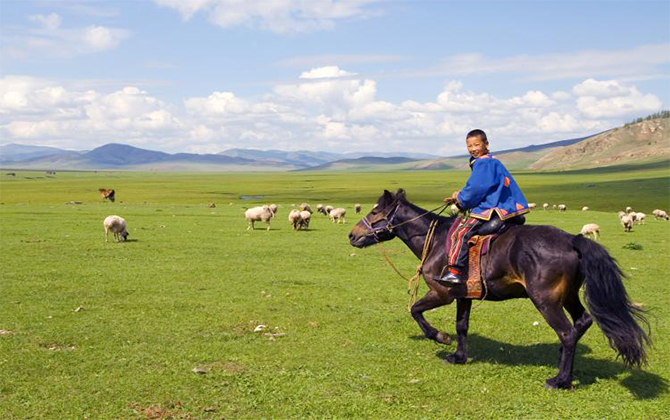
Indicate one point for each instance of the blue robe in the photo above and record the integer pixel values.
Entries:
(491, 188)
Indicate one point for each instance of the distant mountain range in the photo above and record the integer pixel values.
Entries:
(648, 140)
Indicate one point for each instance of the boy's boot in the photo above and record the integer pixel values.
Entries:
(453, 276)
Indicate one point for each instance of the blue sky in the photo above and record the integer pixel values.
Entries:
(357, 75)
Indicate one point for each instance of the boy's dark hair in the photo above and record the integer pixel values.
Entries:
(477, 133)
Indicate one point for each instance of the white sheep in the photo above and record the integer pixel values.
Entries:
(337, 215)
(660, 214)
(621, 214)
(532, 205)
(321, 209)
(328, 210)
(545, 206)
(627, 223)
(256, 214)
(629, 209)
(562, 207)
(305, 217)
(294, 218)
(554, 206)
(357, 208)
(591, 229)
(639, 218)
(585, 208)
(118, 227)
(273, 209)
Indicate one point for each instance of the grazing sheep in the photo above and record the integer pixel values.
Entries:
(639, 218)
(627, 223)
(211, 205)
(562, 207)
(294, 218)
(591, 229)
(554, 207)
(532, 205)
(118, 227)
(305, 217)
(629, 209)
(256, 214)
(660, 214)
(273, 209)
(337, 215)
(585, 208)
(321, 209)
(328, 210)
(621, 214)
(545, 206)
(357, 208)
(305, 207)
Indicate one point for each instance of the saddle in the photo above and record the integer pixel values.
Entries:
(479, 245)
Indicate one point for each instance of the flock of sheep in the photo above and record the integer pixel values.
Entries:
(298, 218)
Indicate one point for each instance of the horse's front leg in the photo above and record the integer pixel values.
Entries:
(429, 301)
(462, 322)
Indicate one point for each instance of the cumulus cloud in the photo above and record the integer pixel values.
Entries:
(279, 16)
(610, 98)
(325, 72)
(316, 114)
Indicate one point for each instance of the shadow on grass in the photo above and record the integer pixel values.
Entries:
(643, 385)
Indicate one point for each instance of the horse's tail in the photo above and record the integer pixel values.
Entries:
(609, 303)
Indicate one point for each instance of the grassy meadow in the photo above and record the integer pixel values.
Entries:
(99, 330)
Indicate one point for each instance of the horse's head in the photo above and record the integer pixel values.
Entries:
(377, 226)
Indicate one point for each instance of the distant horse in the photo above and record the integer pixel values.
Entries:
(543, 263)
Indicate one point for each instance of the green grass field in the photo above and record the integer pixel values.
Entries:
(114, 330)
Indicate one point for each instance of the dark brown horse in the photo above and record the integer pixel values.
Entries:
(542, 263)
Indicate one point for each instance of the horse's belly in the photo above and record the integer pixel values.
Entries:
(506, 288)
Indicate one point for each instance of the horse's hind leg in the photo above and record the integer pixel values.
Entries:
(429, 301)
(462, 324)
(552, 311)
(580, 318)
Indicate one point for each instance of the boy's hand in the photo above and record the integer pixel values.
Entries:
(453, 199)
(454, 196)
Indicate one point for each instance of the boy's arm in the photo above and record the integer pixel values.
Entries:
(480, 182)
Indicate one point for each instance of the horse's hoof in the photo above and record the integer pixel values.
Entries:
(553, 383)
(455, 359)
(443, 338)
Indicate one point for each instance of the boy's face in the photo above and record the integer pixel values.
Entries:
(476, 146)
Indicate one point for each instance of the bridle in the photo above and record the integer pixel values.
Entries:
(388, 217)
(369, 224)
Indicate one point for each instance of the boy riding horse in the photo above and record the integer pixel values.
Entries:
(492, 197)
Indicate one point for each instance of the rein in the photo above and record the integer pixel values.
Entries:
(414, 282)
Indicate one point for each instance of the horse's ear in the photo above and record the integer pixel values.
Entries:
(400, 194)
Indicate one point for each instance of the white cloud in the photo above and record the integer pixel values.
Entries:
(280, 16)
(639, 63)
(325, 72)
(610, 99)
(50, 21)
(100, 38)
(322, 114)
(54, 40)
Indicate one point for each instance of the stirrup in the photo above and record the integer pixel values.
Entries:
(450, 279)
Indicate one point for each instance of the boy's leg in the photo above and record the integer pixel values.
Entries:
(457, 260)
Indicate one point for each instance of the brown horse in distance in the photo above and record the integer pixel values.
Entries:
(542, 263)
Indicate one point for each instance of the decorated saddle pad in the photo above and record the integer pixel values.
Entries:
(479, 246)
